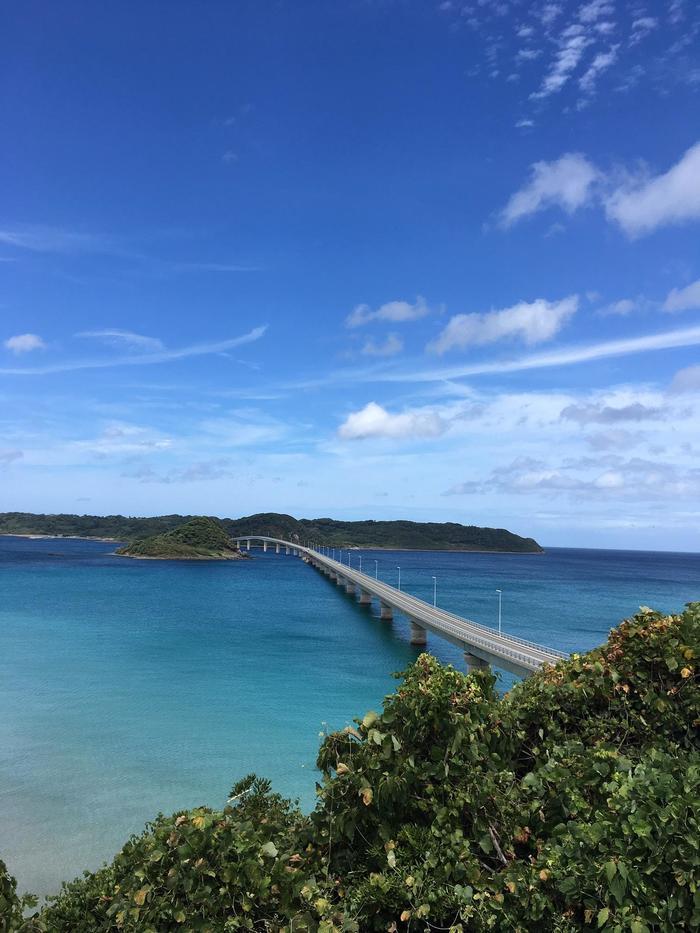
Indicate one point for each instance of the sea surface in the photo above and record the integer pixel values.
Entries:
(133, 687)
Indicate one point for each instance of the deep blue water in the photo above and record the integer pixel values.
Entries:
(129, 687)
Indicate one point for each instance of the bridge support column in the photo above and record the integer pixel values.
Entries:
(265, 547)
(473, 663)
(340, 581)
(277, 549)
(418, 634)
(386, 612)
(350, 587)
(286, 550)
(365, 598)
(248, 544)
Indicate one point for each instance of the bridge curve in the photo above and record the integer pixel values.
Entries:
(482, 646)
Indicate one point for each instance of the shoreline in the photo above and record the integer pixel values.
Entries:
(42, 537)
(354, 547)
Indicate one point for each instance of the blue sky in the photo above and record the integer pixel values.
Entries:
(368, 258)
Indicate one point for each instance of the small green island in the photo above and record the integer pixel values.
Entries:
(200, 538)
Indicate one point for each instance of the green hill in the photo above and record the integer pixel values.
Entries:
(438, 536)
(198, 539)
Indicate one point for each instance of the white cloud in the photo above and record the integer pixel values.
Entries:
(395, 311)
(670, 198)
(525, 123)
(139, 359)
(570, 52)
(686, 380)
(533, 322)
(43, 239)
(642, 27)
(683, 299)
(389, 347)
(567, 182)
(549, 13)
(24, 343)
(375, 421)
(622, 307)
(600, 63)
(124, 338)
(595, 10)
(9, 456)
(563, 356)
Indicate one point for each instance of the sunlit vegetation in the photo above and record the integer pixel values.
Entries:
(198, 539)
(327, 531)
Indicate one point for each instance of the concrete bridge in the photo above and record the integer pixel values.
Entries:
(481, 645)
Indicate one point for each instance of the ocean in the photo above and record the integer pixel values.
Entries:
(133, 687)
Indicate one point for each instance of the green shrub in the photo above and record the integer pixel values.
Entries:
(571, 804)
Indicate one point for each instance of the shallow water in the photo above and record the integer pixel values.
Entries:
(129, 687)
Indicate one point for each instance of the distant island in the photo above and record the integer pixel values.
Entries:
(200, 538)
(398, 535)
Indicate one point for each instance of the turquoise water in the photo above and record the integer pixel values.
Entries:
(129, 687)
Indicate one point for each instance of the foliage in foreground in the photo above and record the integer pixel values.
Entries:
(571, 804)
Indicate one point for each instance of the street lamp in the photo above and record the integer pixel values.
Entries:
(500, 593)
(348, 558)
(360, 563)
(333, 553)
(399, 570)
(376, 570)
(434, 591)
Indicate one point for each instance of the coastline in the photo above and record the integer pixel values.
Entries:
(40, 537)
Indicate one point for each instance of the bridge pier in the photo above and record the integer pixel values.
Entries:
(474, 663)
(277, 549)
(340, 581)
(350, 587)
(248, 544)
(265, 547)
(386, 612)
(365, 598)
(418, 636)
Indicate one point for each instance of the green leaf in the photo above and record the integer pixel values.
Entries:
(610, 870)
(269, 849)
(603, 916)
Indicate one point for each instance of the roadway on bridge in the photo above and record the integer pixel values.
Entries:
(516, 655)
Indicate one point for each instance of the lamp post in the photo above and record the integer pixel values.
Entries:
(348, 558)
(376, 570)
(434, 591)
(333, 553)
(360, 563)
(500, 593)
(399, 570)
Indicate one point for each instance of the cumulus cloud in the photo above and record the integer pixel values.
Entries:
(670, 198)
(124, 338)
(375, 421)
(396, 311)
(639, 205)
(567, 182)
(686, 380)
(683, 299)
(607, 414)
(532, 322)
(388, 347)
(24, 343)
(622, 307)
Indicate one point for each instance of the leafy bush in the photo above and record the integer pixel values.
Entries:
(571, 804)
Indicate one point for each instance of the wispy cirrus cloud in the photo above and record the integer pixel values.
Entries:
(124, 338)
(164, 355)
(683, 299)
(390, 346)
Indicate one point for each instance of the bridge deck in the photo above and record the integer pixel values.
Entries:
(514, 654)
